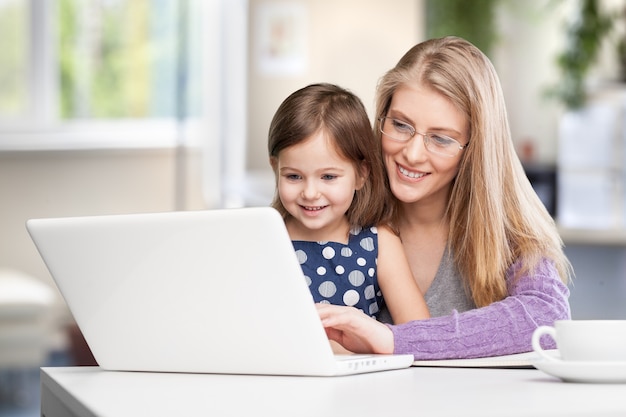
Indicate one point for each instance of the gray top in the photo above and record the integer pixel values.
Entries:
(446, 293)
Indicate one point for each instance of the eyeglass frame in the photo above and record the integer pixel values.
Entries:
(426, 137)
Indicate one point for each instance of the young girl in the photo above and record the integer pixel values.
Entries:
(331, 192)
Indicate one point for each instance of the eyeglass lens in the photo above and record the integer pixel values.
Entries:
(403, 132)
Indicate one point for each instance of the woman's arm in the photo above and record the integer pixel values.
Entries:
(402, 296)
(502, 328)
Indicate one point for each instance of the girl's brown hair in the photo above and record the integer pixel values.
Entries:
(341, 116)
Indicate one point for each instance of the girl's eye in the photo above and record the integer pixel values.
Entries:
(329, 177)
(293, 177)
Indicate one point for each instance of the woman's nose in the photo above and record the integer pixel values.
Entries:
(415, 150)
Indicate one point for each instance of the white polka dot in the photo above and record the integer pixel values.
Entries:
(373, 309)
(374, 230)
(367, 243)
(356, 278)
(346, 252)
(321, 270)
(340, 270)
(328, 252)
(324, 302)
(327, 289)
(371, 272)
(356, 230)
(369, 292)
(301, 255)
(361, 261)
(308, 280)
(351, 297)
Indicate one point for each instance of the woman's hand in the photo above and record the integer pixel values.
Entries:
(354, 330)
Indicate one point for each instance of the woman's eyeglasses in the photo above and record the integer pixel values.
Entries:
(436, 143)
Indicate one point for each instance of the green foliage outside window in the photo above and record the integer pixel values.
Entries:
(13, 59)
(473, 20)
(584, 40)
(104, 60)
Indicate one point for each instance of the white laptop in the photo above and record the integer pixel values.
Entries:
(215, 291)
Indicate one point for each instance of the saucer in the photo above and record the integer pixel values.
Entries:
(598, 372)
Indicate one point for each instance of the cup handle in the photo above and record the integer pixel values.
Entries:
(540, 331)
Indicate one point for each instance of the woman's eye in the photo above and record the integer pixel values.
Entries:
(442, 141)
(402, 127)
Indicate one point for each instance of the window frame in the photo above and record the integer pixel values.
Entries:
(42, 129)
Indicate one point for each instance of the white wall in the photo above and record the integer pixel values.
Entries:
(346, 42)
(531, 38)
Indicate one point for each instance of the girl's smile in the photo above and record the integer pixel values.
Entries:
(316, 186)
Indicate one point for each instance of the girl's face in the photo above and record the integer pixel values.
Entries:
(316, 186)
(415, 174)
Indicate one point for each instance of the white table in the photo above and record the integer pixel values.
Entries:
(464, 392)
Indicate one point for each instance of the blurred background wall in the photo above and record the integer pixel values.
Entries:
(223, 69)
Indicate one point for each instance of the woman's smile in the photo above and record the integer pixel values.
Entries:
(411, 174)
(416, 174)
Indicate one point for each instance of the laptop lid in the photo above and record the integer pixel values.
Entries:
(213, 291)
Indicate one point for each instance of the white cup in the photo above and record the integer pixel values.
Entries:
(585, 340)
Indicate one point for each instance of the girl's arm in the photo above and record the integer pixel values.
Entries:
(402, 296)
(502, 328)
(355, 330)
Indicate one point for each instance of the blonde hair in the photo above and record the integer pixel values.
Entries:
(342, 117)
(495, 215)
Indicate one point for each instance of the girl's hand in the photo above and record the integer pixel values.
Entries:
(354, 330)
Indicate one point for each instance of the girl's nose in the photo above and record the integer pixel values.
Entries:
(310, 191)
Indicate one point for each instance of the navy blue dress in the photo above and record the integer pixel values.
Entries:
(343, 274)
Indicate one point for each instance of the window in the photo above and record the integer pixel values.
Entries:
(76, 73)
(13, 59)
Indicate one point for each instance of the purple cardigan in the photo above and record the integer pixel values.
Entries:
(501, 328)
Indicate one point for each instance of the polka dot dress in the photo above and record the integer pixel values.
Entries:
(343, 274)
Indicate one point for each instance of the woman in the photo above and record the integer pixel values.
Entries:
(481, 245)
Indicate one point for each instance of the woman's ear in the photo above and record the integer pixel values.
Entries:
(363, 171)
